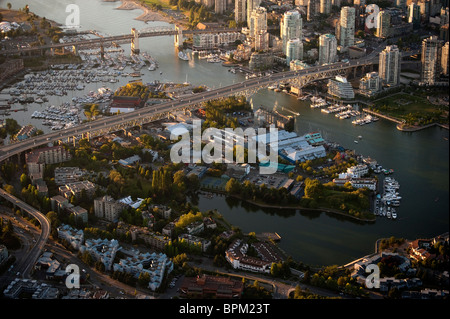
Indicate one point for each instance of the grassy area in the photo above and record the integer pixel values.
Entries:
(411, 108)
(163, 3)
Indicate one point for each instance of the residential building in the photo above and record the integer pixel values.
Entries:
(327, 48)
(108, 208)
(192, 240)
(215, 40)
(251, 5)
(389, 66)
(341, 88)
(414, 15)
(220, 6)
(325, 6)
(258, 21)
(153, 264)
(370, 183)
(262, 41)
(59, 203)
(74, 237)
(78, 212)
(240, 14)
(444, 59)
(102, 250)
(32, 288)
(370, 84)
(358, 171)
(401, 4)
(294, 50)
(311, 10)
(291, 27)
(346, 27)
(143, 234)
(431, 60)
(236, 255)
(383, 24)
(65, 175)
(77, 189)
(37, 159)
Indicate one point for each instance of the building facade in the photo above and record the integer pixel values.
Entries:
(346, 27)
(291, 27)
(327, 48)
(389, 66)
(431, 60)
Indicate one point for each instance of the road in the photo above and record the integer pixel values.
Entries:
(24, 266)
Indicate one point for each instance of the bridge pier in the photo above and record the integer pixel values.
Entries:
(134, 41)
(178, 40)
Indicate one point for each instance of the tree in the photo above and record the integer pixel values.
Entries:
(9, 5)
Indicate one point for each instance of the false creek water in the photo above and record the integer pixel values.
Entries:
(420, 159)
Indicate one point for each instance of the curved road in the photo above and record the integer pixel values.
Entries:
(25, 265)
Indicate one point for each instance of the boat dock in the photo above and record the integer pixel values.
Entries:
(268, 236)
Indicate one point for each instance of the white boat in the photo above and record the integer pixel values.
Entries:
(183, 56)
(39, 100)
(152, 67)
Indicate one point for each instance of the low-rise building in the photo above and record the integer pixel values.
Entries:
(212, 287)
(37, 159)
(341, 88)
(358, 171)
(153, 264)
(66, 175)
(102, 250)
(236, 255)
(77, 188)
(195, 241)
(73, 236)
(108, 208)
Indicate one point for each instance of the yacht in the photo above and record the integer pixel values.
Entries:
(183, 56)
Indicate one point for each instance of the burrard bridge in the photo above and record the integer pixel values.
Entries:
(132, 38)
(139, 117)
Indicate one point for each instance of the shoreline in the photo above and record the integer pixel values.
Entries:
(401, 126)
(263, 205)
(148, 15)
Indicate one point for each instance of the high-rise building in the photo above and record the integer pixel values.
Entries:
(294, 50)
(291, 27)
(389, 65)
(431, 60)
(414, 15)
(383, 24)
(327, 48)
(251, 5)
(400, 4)
(262, 41)
(220, 6)
(370, 84)
(424, 6)
(325, 6)
(258, 21)
(311, 10)
(240, 14)
(346, 27)
(444, 59)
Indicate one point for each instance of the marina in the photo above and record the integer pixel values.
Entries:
(388, 202)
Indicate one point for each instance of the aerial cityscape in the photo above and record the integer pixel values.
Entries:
(224, 150)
